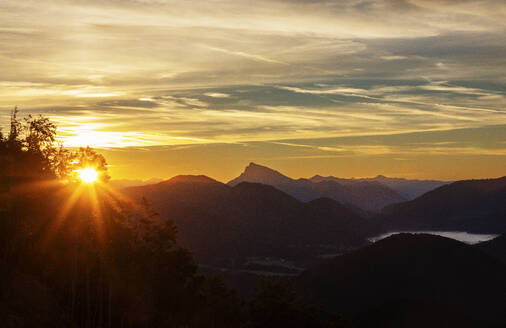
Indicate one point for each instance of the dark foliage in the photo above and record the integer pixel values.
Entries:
(75, 255)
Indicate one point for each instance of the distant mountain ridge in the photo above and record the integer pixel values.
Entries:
(365, 194)
(408, 188)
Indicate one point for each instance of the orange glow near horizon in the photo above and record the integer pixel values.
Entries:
(215, 85)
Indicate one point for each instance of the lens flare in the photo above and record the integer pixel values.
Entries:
(88, 175)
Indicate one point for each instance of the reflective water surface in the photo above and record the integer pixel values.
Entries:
(466, 237)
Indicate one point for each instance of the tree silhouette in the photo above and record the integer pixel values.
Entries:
(30, 152)
(72, 256)
(103, 261)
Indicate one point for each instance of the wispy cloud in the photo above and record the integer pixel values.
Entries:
(161, 72)
(247, 55)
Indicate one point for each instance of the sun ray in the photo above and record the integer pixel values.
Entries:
(27, 187)
(96, 211)
(117, 195)
(62, 214)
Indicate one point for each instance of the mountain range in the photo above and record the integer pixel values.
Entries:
(217, 221)
(244, 219)
(369, 195)
(409, 189)
(246, 230)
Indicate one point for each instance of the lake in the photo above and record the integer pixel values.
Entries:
(466, 237)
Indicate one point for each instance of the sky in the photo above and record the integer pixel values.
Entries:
(408, 88)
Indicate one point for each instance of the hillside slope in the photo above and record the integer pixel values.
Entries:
(411, 269)
(471, 205)
(495, 247)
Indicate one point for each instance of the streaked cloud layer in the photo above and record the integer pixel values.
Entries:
(145, 73)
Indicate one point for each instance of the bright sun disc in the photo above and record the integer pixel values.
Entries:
(88, 175)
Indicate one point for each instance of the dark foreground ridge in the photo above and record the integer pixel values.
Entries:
(425, 279)
(495, 247)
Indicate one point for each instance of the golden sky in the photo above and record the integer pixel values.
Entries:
(412, 88)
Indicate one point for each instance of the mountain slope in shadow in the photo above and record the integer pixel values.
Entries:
(217, 221)
(411, 276)
(471, 205)
(495, 247)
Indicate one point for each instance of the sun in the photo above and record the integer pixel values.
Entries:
(88, 175)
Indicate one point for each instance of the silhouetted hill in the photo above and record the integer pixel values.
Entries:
(415, 274)
(367, 195)
(409, 189)
(261, 197)
(470, 205)
(495, 247)
(186, 191)
(218, 221)
(346, 218)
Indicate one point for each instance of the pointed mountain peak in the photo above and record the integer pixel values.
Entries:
(255, 166)
(260, 174)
